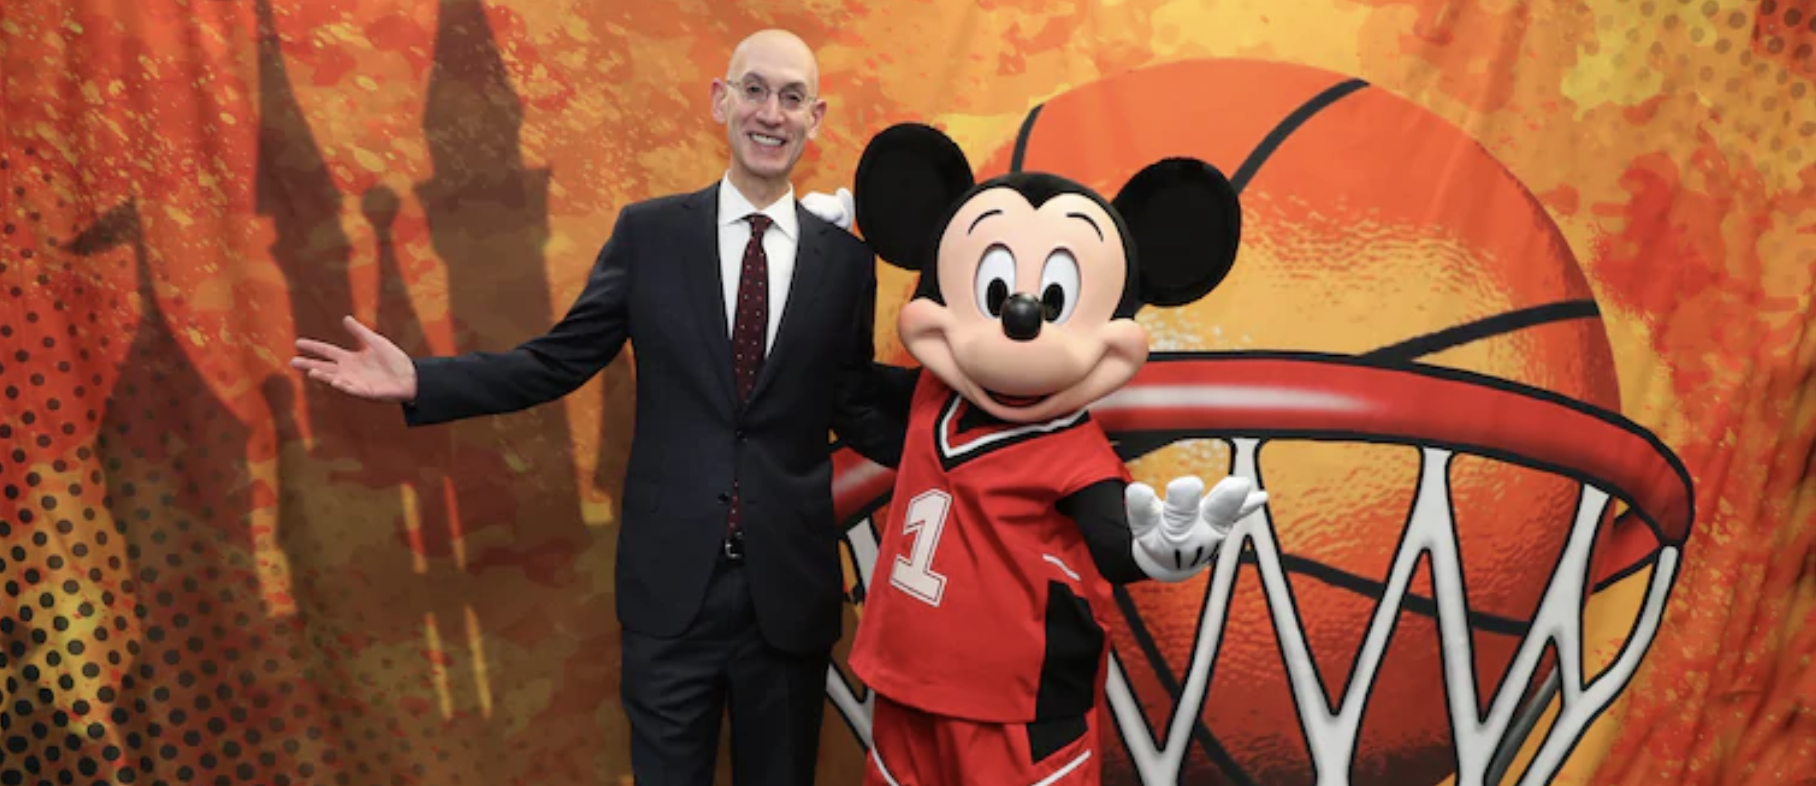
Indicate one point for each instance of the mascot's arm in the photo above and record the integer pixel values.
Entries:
(871, 402)
(871, 414)
(1099, 511)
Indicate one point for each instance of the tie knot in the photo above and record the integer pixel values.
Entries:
(759, 223)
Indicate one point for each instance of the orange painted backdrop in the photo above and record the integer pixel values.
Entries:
(213, 573)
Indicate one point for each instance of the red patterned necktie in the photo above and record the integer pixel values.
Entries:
(752, 321)
(749, 328)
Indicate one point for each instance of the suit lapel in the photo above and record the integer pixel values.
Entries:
(699, 257)
(803, 293)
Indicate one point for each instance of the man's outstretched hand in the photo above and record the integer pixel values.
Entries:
(375, 369)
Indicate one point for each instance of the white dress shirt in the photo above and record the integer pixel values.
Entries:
(779, 243)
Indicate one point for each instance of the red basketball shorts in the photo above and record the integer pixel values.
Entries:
(914, 748)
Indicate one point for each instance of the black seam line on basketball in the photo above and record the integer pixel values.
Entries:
(1021, 138)
(1453, 540)
(1503, 456)
(1299, 116)
(1291, 601)
(1630, 642)
(1625, 573)
(1157, 662)
(1414, 602)
(1482, 329)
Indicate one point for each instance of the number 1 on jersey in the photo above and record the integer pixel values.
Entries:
(914, 575)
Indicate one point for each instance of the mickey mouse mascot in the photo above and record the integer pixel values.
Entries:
(983, 632)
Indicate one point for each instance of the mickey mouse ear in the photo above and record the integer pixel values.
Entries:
(1186, 221)
(906, 182)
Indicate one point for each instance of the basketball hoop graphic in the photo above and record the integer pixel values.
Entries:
(1250, 401)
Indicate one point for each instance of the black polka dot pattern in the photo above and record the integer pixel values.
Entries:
(137, 642)
(134, 640)
(750, 329)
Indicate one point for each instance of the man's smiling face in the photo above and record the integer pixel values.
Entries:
(769, 104)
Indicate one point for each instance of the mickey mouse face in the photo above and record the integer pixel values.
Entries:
(1030, 282)
(1026, 329)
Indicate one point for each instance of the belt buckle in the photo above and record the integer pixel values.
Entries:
(733, 547)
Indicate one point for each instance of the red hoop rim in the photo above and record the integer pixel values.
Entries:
(1315, 396)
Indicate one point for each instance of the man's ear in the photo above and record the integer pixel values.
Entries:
(1186, 223)
(818, 115)
(906, 182)
(719, 90)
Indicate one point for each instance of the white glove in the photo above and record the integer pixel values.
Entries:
(1175, 540)
(835, 209)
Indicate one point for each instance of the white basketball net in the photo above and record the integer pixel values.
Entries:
(1331, 733)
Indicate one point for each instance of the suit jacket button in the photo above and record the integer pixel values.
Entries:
(740, 435)
(724, 499)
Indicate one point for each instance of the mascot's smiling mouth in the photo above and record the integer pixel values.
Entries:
(1013, 401)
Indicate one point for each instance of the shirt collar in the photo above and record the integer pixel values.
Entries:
(733, 208)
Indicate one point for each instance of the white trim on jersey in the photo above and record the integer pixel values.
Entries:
(948, 450)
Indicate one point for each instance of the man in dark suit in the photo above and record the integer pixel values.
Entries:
(752, 320)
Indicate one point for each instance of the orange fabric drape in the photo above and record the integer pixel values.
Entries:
(214, 572)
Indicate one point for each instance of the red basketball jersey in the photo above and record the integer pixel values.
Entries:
(984, 602)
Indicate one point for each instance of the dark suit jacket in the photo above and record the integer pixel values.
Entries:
(656, 283)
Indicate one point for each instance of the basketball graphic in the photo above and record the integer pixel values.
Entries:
(1415, 340)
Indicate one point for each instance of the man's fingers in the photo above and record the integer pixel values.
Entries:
(311, 365)
(340, 382)
(321, 349)
(367, 336)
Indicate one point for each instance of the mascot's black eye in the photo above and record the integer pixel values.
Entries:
(1059, 286)
(995, 275)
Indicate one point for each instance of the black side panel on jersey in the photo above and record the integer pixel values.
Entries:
(1048, 737)
(1068, 674)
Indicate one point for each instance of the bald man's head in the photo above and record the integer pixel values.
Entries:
(778, 46)
(770, 104)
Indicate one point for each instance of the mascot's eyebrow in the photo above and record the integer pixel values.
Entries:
(1087, 219)
(980, 219)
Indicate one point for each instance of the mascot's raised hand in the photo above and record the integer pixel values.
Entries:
(837, 209)
(1179, 537)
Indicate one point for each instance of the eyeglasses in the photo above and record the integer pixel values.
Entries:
(794, 99)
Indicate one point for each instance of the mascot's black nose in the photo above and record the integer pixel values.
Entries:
(1021, 317)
